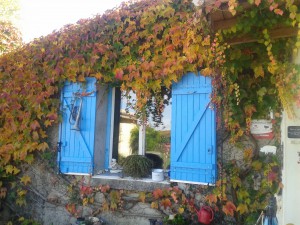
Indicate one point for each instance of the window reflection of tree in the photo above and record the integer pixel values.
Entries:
(157, 127)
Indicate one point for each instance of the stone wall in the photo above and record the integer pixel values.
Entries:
(48, 192)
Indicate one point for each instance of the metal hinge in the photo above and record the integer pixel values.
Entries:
(58, 147)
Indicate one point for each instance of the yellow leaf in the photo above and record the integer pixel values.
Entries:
(43, 146)
(180, 210)
(22, 193)
(91, 200)
(242, 194)
(248, 154)
(20, 201)
(236, 181)
(154, 205)
(206, 72)
(16, 170)
(35, 135)
(259, 71)
(256, 165)
(25, 180)
(47, 123)
(85, 201)
(105, 206)
(11, 169)
(113, 206)
(142, 197)
(242, 208)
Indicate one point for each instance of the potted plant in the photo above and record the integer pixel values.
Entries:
(137, 166)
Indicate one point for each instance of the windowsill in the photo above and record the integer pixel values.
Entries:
(117, 181)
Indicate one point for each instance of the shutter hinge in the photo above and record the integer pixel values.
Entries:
(58, 147)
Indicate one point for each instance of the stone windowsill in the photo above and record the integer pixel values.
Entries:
(116, 181)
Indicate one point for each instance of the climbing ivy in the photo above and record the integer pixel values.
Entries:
(143, 47)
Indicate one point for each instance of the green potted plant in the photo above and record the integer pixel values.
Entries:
(137, 166)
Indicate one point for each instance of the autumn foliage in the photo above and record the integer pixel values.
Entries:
(142, 47)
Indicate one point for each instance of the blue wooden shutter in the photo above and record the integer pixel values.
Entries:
(77, 147)
(193, 131)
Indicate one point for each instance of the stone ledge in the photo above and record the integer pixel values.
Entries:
(129, 183)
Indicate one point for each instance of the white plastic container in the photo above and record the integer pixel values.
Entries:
(157, 174)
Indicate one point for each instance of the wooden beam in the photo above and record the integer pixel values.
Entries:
(282, 32)
(223, 24)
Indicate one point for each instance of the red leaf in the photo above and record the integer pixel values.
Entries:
(272, 176)
(86, 190)
(104, 189)
(52, 116)
(119, 74)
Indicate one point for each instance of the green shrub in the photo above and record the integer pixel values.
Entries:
(137, 166)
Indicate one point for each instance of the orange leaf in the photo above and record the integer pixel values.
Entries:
(98, 76)
(166, 203)
(257, 2)
(154, 205)
(174, 196)
(278, 12)
(34, 125)
(212, 198)
(157, 193)
(105, 206)
(229, 208)
(71, 208)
